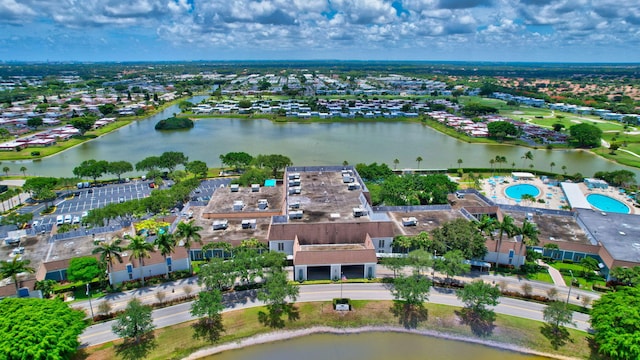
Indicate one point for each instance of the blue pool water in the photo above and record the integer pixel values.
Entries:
(516, 191)
(605, 203)
(270, 182)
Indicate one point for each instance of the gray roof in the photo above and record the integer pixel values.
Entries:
(618, 233)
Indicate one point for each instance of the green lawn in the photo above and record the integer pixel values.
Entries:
(177, 342)
(577, 272)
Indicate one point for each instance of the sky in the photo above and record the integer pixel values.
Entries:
(430, 30)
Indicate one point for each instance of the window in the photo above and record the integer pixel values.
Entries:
(511, 253)
(129, 269)
(280, 246)
(169, 267)
(130, 276)
(380, 243)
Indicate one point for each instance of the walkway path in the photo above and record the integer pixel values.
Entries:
(556, 276)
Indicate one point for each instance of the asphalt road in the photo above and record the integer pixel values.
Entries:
(101, 333)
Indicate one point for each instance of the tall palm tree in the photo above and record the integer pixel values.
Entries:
(486, 225)
(23, 170)
(11, 269)
(140, 249)
(527, 156)
(165, 243)
(419, 160)
(6, 170)
(506, 226)
(109, 251)
(529, 234)
(459, 163)
(564, 169)
(395, 163)
(551, 166)
(188, 232)
(492, 162)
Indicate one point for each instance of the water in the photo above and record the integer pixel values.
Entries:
(370, 346)
(516, 191)
(305, 144)
(606, 203)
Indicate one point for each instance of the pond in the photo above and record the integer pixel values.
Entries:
(370, 346)
(306, 144)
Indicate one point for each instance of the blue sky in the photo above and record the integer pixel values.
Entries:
(466, 30)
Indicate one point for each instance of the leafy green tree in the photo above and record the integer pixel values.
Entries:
(274, 162)
(135, 322)
(11, 269)
(198, 168)
(589, 265)
(461, 235)
(557, 127)
(410, 292)
(245, 104)
(35, 122)
(188, 232)
(237, 160)
(276, 294)
(149, 163)
(374, 172)
(170, 159)
(586, 135)
(217, 274)
(627, 276)
(119, 167)
(208, 306)
(477, 295)
(83, 124)
(39, 329)
(91, 168)
(36, 185)
(501, 129)
(615, 318)
(165, 243)
(395, 264)
(557, 314)
(83, 269)
(140, 249)
(452, 263)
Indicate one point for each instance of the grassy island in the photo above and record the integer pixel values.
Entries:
(174, 123)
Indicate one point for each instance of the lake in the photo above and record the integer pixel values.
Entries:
(370, 346)
(305, 144)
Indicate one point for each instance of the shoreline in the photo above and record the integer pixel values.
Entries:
(282, 335)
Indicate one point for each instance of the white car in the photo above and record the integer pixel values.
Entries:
(76, 220)
(84, 214)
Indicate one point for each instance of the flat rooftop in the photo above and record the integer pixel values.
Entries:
(325, 197)
(618, 233)
(222, 201)
(553, 228)
(427, 220)
(234, 233)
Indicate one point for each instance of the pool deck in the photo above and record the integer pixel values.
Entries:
(553, 196)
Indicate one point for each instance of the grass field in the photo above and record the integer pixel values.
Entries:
(176, 341)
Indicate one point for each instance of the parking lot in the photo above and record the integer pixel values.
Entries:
(77, 201)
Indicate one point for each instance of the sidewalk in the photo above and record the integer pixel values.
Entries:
(556, 276)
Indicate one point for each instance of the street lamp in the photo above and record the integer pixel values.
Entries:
(570, 286)
(89, 295)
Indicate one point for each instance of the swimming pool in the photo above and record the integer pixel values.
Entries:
(516, 191)
(270, 182)
(605, 203)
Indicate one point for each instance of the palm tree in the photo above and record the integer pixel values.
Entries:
(395, 163)
(109, 251)
(459, 163)
(165, 243)
(527, 156)
(506, 226)
(492, 162)
(23, 170)
(486, 225)
(529, 234)
(419, 160)
(551, 166)
(564, 169)
(11, 269)
(6, 170)
(140, 249)
(188, 232)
